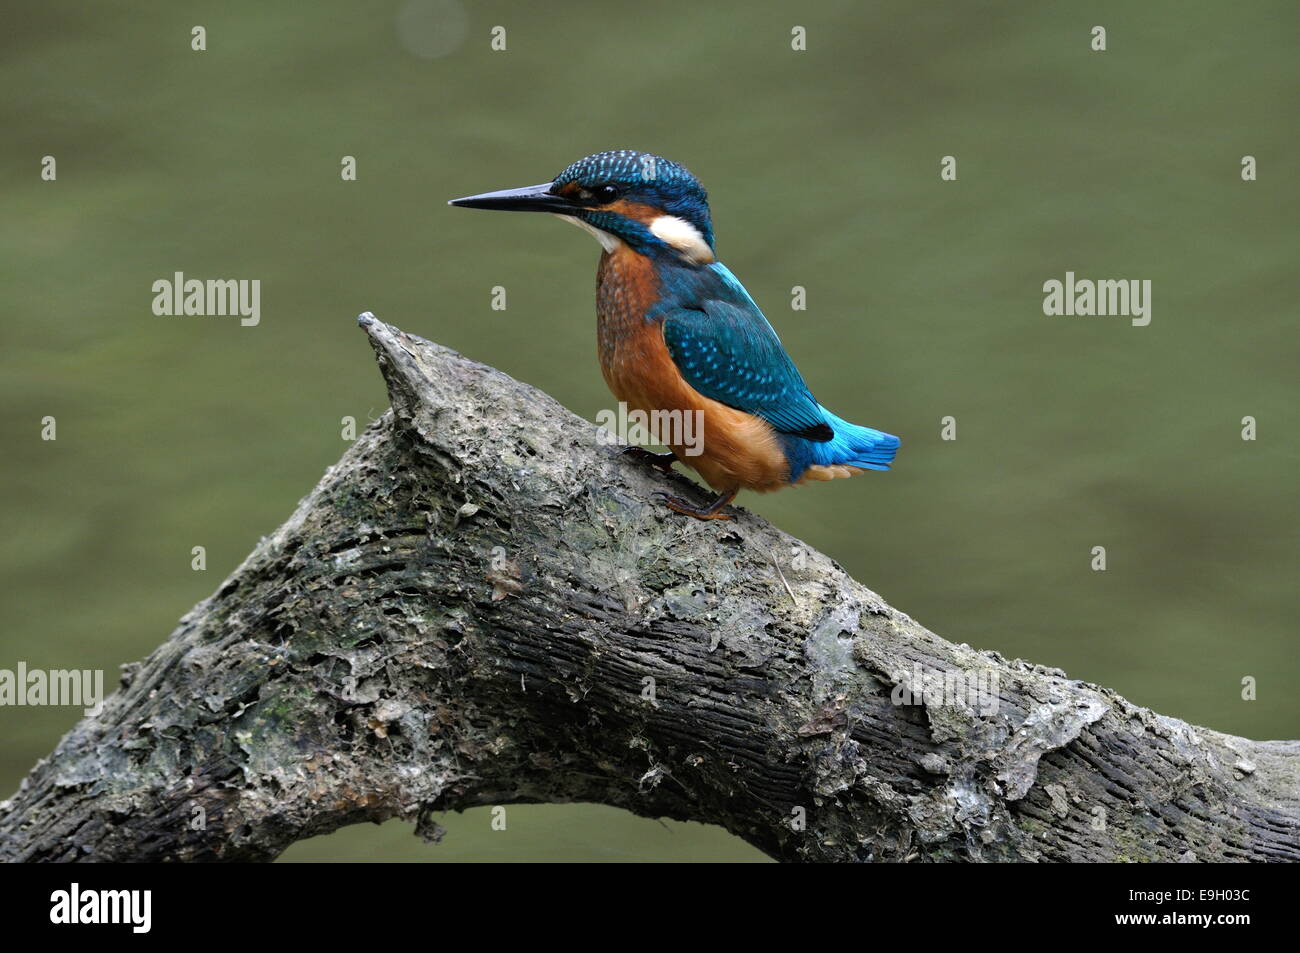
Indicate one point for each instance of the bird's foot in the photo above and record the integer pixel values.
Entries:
(711, 512)
(662, 462)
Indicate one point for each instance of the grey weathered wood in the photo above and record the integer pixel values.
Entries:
(467, 610)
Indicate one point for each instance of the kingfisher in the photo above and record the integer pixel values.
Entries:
(677, 332)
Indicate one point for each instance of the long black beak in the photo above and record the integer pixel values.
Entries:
(532, 198)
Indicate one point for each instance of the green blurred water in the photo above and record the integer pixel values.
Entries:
(924, 300)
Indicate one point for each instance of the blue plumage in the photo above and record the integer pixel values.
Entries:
(728, 351)
(852, 446)
(731, 354)
(652, 179)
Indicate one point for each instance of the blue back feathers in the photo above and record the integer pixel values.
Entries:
(725, 348)
(731, 354)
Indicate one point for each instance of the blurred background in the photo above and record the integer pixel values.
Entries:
(924, 300)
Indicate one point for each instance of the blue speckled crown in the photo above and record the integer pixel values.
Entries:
(643, 176)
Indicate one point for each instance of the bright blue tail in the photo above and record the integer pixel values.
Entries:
(858, 446)
(852, 446)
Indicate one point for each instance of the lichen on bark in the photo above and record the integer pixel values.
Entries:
(480, 604)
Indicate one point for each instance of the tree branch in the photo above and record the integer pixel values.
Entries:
(479, 605)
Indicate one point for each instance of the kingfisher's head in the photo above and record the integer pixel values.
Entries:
(649, 203)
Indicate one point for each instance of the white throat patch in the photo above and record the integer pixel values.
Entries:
(682, 237)
(607, 241)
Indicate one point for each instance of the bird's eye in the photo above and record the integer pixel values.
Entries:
(606, 193)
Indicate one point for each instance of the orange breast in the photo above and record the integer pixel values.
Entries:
(736, 449)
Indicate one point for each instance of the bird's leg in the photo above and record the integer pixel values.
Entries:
(711, 512)
(660, 461)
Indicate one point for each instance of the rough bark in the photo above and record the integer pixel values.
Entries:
(470, 608)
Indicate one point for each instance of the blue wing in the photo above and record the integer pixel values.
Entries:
(729, 352)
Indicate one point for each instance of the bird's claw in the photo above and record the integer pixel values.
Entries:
(677, 504)
(663, 462)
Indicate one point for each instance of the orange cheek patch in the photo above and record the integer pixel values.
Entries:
(638, 211)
